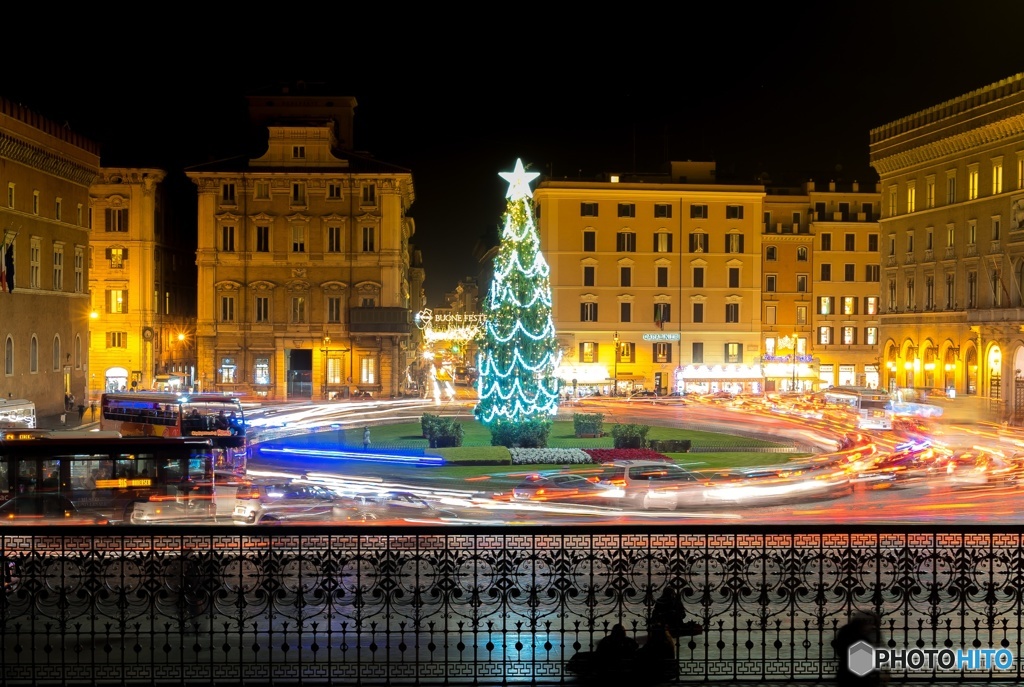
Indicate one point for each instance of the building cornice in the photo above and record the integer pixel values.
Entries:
(951, 145)
(17, 150)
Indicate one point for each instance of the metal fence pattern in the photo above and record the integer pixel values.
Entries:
(484, 605)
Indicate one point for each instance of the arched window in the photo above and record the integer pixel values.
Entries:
(56, 353)
(33, 355)
(9, 356)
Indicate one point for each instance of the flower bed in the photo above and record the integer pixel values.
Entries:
(549, 456)
(606, 455)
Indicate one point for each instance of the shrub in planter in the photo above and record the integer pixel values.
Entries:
(447, 433)
(529, 434)
(587, 424)
(630, 435)
(441, 432)
(429, 424)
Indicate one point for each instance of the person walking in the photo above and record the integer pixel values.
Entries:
(366, 437)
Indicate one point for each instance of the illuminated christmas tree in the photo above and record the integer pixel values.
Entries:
(518, 352)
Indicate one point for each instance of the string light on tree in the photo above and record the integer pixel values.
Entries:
(519, 352)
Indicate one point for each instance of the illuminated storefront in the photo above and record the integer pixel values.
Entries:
(710, 379)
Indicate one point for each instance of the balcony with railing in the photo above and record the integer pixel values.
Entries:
(380, 321)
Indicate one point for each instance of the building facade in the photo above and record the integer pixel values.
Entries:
(45, 173)
(821, 287)
(656, 280)
(952, 226)
(304, 260)
(142, 286)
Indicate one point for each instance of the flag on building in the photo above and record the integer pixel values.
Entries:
(9, 266)
(657, 318)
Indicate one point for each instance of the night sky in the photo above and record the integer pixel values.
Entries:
(759, 93)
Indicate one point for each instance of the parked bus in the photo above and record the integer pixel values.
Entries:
(17, 413)
(217, 417)
(873, 407)
(102, 473)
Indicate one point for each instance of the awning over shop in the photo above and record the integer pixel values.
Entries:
(631, 378)
(583, 373)
(715, 372)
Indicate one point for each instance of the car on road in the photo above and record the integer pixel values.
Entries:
(971, 467)
(652, 484)
(464, 376)
(45, 508)
(197, 503)
(267, 501)
(402, 505)
(565, 486)
(907, 461)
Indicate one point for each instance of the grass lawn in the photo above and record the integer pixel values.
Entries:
(476, 447)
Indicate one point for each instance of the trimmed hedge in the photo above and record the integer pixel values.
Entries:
(607, 455)
(671, 445)
(630, 435)
(589, 424)
(530, 434)
(442, 432)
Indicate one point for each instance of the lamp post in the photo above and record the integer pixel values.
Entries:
(615, 380)
(795, 341)
(326, 351)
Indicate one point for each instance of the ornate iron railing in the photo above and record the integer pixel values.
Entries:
(483, 605)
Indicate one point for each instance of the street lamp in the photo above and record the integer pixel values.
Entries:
(795, 341)
(615, 380)
(326, 352)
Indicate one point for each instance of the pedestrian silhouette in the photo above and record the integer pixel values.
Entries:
(366, 437)
(611, 661)
(861, 627)
(615, 650)
(668, 611)
(656, 660)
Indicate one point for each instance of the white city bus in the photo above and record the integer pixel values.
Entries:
(873, 407)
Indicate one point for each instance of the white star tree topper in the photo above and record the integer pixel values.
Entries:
(519, 181)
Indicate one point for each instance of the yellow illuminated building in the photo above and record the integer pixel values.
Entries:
(952, 200)
(45, 173)
(656, 280)
(306, 271)
(142, 285)
(821, 286)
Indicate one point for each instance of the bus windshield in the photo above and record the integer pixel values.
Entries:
(217, 417)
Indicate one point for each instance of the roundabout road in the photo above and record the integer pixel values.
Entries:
(486, 502)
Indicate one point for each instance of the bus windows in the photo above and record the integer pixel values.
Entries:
(217, 417)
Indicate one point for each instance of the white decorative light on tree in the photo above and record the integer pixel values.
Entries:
(519, 350)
